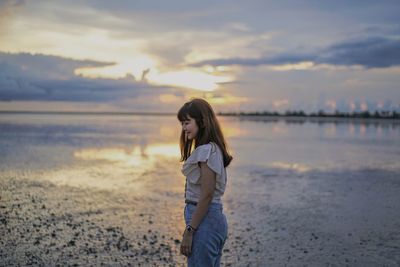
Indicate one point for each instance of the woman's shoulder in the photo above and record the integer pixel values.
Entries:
(209, 147)
(209, 153)
(205, 150)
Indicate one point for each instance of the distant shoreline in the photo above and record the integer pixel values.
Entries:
(84, 113)
(363, 115)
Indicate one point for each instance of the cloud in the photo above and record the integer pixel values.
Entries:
(7, 10)
(372, 52)
(168, 54)
(39, 65)
(51, 78)
(274, 60)
(7, 7)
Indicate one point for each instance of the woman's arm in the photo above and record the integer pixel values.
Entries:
(208, 181)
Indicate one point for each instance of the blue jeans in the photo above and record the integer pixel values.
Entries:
(210, 237)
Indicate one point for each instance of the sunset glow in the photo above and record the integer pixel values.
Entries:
(134, 157)
(188, 79)
(143, 57)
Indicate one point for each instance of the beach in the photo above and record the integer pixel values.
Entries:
(48, 225)
(88, 203)
(297, 220)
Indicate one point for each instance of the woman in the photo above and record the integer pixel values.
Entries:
(206, 226)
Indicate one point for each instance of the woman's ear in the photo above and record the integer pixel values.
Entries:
(202, 122)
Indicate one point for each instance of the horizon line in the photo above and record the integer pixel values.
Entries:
(293, 113)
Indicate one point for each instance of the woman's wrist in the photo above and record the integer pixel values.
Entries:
(190, 229)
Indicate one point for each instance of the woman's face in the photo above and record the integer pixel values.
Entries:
(190, 128)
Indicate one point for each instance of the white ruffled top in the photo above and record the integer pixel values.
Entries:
(212, 155)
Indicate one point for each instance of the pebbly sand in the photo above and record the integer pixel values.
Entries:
(276, 218)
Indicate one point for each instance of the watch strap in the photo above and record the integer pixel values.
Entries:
(191, 228)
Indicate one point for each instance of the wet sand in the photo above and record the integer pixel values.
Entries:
(276, 218)
(317, 218)
(48, 225)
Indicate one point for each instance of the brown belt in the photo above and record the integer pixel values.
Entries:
(190, 202)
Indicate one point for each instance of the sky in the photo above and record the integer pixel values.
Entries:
(153, 56)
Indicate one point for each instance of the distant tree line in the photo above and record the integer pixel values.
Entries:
(363, 114)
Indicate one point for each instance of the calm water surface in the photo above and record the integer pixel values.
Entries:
(46, 142)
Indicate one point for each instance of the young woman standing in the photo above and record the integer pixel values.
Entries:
(205, 170)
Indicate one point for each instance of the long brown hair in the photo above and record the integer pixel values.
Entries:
(209, 128)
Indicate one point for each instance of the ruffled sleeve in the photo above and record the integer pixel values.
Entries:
(205, 153)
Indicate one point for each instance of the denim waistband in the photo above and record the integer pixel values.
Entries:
(212, 206)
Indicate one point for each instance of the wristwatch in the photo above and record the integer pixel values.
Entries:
(190, 228)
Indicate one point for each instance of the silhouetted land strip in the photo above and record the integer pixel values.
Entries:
(321, 113)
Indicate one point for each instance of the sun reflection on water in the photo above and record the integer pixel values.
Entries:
(292, 166)
(115, 168)
(137, 156)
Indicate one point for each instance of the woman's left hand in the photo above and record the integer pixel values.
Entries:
(186, 244)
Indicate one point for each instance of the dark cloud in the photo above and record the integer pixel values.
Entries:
(40, 66)
(51, 78)
(274, 60)
(78, 89)
(373, 52)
